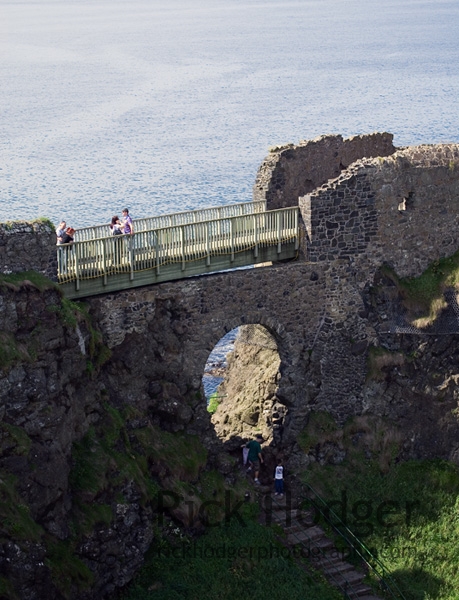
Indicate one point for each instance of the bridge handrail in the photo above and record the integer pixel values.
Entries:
(387, 583)
(180, 218)
(111, 255)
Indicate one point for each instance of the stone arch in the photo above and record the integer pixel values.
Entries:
(272, 325)
(253, 405)
(171, 328)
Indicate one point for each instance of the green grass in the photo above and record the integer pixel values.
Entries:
(423, 295)
(113, 454)
(240, 560)
(320, 424)
(378, 358)
(408, 517)
(71, 314)
(12, 351)
(18, 280)
(46, 221)
(7, 590)
(69, 573)
(16, 521)
(41, 220)
(14, 439)
(214, 401)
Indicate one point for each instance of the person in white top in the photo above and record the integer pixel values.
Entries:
(279, 479)
(60, 230)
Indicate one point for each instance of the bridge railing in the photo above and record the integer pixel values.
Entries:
(180, 218)
(111, 255)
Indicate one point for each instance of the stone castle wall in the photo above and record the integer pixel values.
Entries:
(28, 246)
(291, 171)
(398, 209)
(401, 210)
(324, 313)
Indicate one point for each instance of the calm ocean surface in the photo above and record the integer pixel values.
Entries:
(170, 105)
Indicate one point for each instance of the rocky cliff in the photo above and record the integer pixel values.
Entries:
(82, 464)
(101, 407)
(247, 397)
(89, 436)
(410, 406)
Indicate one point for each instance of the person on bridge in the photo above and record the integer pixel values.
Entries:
(128, 226)
(68, 236)
(116, 227)
(60, 230)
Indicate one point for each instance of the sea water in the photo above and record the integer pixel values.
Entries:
(217, 359)
(170, 105)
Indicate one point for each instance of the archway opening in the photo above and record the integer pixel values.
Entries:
(240, 382)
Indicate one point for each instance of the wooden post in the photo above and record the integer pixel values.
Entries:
(279, 216)
(208, 243)
(104, 261)
(75, 261)
(157, 251)
(131, 256)
(182, 243)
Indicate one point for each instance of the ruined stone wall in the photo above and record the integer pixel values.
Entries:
(401, 210)
(291, 171)
(27, 246)
(324, 315)
(176, 325)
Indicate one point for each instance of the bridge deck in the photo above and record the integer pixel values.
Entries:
(110, 263)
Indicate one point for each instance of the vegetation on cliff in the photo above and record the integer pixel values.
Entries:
(424, 296)
(124, 463)
(15, 347)
(238, 559)
(405, 512)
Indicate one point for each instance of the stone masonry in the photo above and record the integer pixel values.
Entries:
(291, 171)
(28, 247)
(399, 208)
(363, 204)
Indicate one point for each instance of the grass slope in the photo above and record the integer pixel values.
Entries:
(241, 559)
(408, 517)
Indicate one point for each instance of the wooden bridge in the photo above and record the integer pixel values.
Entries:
(175, 246)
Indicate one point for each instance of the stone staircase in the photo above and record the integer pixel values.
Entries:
(306, 540)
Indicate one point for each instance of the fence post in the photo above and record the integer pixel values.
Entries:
(131, 256)
(74, 253)
(157, 246)
(182, 247)
(104, 260)
(297, 237)
(232, 239)
(208, 243)
(279, 231)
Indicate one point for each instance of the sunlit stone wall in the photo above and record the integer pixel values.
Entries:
(401, 210)
(291, 171)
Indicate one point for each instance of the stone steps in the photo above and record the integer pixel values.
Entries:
(309, 540)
